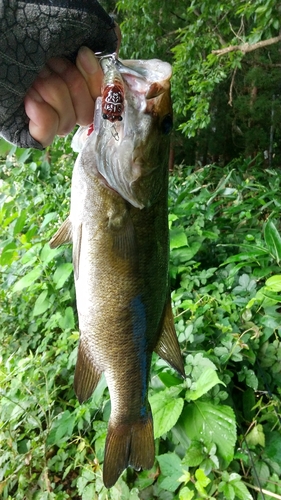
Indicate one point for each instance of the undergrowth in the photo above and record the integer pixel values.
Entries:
(218, 432)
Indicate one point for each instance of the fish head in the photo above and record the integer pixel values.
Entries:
(132, 153)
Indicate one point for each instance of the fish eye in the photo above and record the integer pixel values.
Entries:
(167, 124)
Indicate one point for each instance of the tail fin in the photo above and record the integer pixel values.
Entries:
(128, 445)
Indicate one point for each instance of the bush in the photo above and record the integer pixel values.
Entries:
(218, 432)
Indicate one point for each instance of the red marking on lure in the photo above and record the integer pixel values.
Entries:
(113, 102)
(90, 129)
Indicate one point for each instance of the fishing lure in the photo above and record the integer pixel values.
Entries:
(113, 91)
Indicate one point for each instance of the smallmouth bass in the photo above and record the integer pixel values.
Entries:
(118, 225)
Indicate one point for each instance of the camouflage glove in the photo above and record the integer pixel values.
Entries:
(31, 32)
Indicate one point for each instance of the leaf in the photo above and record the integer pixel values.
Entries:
(89, 492)
(168, 379)
(202, 478)
(20, 222)
(9, 254)
(250, 256)
(202, 482)
(228, 491)
(48, 218)
(273, 446)
(256, 436)
(47, 254)
(262, 472)
(42, 303)
(194, 455)
(241, 491)
(62, 427)
(170, 466)
(274, 283)
(273, 240)
(177, 238)
(206, 381)
(88, 476)
(251, 379)
(212, 424)
(186, 494)
(67, 321)
(27, 280)
(166, 409)
(62, 273)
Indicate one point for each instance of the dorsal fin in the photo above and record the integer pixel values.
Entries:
(63, 234)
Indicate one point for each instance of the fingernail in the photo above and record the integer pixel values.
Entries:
(88, 60)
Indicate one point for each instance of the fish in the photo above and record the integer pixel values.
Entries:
(118, 225)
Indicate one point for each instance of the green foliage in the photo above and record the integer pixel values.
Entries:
(230, 103)
(218, 432)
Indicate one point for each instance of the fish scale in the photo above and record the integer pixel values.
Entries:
(118, 225)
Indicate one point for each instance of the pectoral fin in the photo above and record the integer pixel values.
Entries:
(124, 238)
(77, 239)
(63, 235)
(86, 376)
(168, 346)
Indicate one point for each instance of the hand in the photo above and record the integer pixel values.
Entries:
(64, 94)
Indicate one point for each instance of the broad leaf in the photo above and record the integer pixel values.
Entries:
(62, 428)
(89, 492)
(186, 494)
(212, 424)
(177, 238)
(256, 436)
(48, 218)
(27, 280)
(67, 321)
(20, 222)
(194, 455)
(206, 381)
(62, 273)
(274, 283)
(170, 466)
(241, 491)
(42, 303)
(273, 446)
(273, 240)
(166, 409)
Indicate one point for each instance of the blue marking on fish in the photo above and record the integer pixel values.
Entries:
(139, 338)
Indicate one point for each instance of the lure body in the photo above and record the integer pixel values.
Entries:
(113, 92)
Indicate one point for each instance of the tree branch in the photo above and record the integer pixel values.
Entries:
(247, 47)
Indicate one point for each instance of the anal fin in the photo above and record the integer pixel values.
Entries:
(86, 376)
(63, 234)
(168, 345)
(128, 444)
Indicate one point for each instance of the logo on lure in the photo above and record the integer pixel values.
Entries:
(113, 102)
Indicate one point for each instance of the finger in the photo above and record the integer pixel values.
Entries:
(44, 121)
(90, 68)
(81, 98)
(54, 92)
